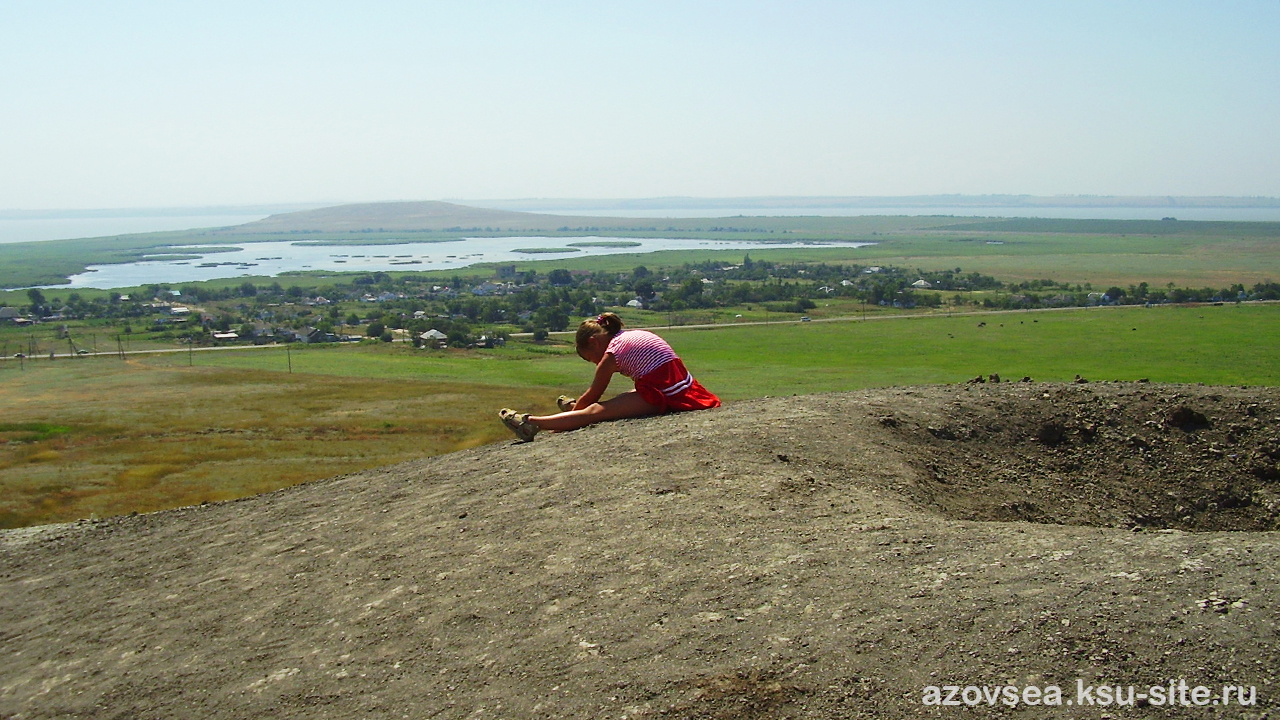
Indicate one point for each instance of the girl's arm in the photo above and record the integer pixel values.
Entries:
(604, 373)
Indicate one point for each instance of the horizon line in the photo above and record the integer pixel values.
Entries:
(936, 200)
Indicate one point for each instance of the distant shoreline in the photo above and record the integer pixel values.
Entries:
(18, 226)
(819, 202)
(156, 212)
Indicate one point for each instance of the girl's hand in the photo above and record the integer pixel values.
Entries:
(604, 373)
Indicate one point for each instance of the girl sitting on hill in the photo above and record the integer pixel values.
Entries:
(662, 382)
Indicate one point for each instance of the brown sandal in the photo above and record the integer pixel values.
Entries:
(519, 424)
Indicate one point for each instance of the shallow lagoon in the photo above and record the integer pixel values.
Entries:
(275, 258)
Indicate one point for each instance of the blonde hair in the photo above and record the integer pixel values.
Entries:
(607, 324)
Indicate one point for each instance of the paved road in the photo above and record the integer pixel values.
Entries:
(152, 351)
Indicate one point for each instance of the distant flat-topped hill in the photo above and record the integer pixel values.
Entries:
(436, 216)
(424, 215)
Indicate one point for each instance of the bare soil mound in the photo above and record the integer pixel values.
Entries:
(823, 556)
(1110, 454)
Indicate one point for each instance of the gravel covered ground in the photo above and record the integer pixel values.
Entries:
(825, 556)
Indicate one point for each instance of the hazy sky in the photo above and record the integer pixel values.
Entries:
(143, 104)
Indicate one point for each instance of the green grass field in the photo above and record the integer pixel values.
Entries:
(1221, 345)
(1225, 345)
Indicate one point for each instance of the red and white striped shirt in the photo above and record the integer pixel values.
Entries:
(639, 352)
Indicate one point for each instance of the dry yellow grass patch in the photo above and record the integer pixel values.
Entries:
(146, 435)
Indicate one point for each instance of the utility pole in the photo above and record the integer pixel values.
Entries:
(288, 353)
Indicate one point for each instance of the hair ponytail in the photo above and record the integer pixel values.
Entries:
(607, 324)
(610, 323)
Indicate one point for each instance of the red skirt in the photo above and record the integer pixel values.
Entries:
(672, 388)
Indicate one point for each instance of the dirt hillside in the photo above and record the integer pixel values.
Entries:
(824, 556)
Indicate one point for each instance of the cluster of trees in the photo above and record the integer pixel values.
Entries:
(1020, 296)
(795, 286)
(76, 306)
(555, 300)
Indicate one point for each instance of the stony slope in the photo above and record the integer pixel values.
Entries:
(822, 556)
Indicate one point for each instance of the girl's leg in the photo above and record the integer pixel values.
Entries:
(628, 404)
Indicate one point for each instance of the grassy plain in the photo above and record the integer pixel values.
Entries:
(1224, 345)
(103, 436)
(1104, 260)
